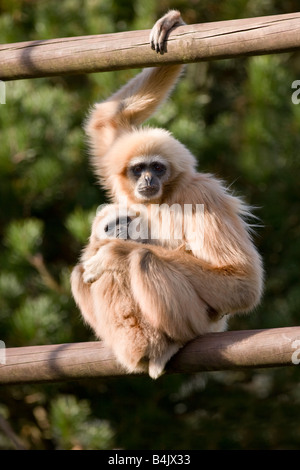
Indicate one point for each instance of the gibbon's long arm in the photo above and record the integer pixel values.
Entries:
(139, 98)
(130, 106)
(158, 277)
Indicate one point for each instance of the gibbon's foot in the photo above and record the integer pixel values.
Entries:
(157, 365)
(162, 28)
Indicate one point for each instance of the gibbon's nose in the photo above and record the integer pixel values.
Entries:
(148, 179)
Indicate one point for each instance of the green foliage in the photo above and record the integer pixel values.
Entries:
(79, 223)
(38, 319)
(24, 236)
(237, 117)
(74, 428)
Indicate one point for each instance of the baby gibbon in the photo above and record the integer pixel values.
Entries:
(146, 296)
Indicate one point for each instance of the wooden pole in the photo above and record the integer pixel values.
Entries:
(216, 351)
(191, 43)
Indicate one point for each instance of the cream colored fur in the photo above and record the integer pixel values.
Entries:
(147, 300)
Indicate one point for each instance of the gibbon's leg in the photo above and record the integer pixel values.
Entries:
(119, 323)
(112, 313)
(136, 344)
(108, 306)
(118, 320)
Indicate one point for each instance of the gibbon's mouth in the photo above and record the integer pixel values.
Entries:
(148, 191)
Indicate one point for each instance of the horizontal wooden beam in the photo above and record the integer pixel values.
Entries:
(191, 43)
(230, 350)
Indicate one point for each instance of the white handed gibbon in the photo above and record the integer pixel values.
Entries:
(146, 296)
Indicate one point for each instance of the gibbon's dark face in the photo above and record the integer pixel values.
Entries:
(147, 175)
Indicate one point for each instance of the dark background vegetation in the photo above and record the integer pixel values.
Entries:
(237, 117)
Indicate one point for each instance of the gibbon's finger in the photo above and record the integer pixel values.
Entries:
(161, 46)
(159, 33)
(154, 35)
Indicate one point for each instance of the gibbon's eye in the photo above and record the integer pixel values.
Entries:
(137, 169)
(159, 168)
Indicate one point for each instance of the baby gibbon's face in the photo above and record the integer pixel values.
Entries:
(147, 175)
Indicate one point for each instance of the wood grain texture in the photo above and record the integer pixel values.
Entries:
(230, 350)
(191, 43)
